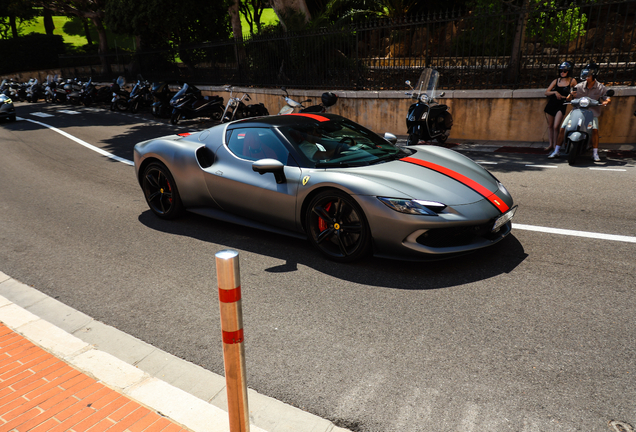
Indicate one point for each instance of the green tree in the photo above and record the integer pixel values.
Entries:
(13, 14)
(556, 26)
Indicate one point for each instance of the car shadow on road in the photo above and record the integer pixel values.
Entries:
(501, 258)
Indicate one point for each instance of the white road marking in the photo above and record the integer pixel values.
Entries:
(574, 233)
(84, 143)
(68, 112)
(41, 114)
(542, 166)
(607, 169)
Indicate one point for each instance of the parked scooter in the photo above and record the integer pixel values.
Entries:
(73, 88)
(119, 101)
(162, 95)
(35, 91)
(426, 119)
(578, 131)
(54, 91)
(328, 99)
(236, 109)
(140, 95)
(189, 103)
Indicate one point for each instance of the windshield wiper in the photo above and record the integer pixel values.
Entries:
(341, 164)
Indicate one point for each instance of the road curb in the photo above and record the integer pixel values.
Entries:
(96, 349)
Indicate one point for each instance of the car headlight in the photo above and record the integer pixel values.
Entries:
(7, 101)
(420, 207)
(584, 103)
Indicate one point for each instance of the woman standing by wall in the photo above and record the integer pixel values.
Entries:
(554, 110)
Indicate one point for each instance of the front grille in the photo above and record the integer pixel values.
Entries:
(457, 236)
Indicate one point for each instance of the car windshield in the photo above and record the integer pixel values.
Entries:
(340, 142)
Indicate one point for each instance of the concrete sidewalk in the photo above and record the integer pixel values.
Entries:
(60, 370)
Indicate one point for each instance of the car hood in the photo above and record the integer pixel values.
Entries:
(433, 174)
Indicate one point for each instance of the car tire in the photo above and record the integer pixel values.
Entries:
(337, 227)
(160, 191)
(13, 118)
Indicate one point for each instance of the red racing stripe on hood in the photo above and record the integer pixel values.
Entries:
(493, 198)
(313, 116)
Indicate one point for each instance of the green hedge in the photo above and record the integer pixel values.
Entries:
(31, 52)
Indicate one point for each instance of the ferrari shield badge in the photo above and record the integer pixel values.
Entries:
(305, 180)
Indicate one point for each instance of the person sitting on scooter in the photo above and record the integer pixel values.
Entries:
(592, 89)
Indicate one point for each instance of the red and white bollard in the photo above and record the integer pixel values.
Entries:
(229, 280)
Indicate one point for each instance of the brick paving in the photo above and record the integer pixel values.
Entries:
(39, 392)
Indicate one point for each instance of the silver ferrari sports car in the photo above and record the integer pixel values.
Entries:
(323, 177)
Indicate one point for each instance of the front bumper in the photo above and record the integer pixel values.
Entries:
(458, 230)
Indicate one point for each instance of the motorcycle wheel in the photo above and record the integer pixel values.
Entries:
(574, 150)
(134, 107)
(216, 114)
(413, 139)
(121, 105)
(442, 138)
(48, 98)
(174, 119)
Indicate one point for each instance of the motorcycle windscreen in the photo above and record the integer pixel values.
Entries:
(428, 82)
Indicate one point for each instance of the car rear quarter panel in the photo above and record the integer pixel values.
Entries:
(179, 156)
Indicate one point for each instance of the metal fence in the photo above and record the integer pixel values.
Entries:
(489, 49)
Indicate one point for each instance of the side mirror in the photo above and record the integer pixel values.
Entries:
(407, 82)
(273, 166)
(390, 138)
(442, 94)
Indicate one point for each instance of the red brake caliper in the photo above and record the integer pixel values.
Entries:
(322, 224)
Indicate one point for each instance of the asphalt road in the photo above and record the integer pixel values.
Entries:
(534, 334)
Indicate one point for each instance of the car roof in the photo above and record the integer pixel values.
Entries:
(285, 120)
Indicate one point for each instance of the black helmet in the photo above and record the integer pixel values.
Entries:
(565, 66)
(589, 69)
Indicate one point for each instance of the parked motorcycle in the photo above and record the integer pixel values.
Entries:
(426, 119)
(73, 88)
(162, 95)
(91, 94)
(54, 91)
(119, 101)
(237, 109)
(328, 99)
(578, 131)
(188, 103)
(140, 95)
(35, 91)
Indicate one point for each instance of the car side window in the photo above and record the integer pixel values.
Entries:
(257, 143)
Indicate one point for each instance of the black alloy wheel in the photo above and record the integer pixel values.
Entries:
(336, 225)
(161, 192)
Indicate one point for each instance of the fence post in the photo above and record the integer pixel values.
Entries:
(229, 281)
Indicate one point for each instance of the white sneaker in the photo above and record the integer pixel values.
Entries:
(554, 154)
(595, 158)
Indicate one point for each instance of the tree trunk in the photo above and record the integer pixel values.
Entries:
(238, 33)
(48, 21)
(14, 27)
(87, 31)
(514, 69)
(103, 45)
(281, 6)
